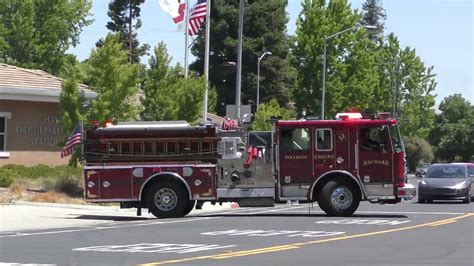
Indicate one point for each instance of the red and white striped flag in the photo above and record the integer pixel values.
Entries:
(197, 17)
(72, 141)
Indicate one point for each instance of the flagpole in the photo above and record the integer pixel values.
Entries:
(206, 59)
(81, 125)
(186, 41)
(238, 101)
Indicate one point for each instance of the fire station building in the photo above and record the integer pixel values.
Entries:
(30, 132)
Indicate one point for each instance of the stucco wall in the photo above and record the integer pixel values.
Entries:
(34, 135)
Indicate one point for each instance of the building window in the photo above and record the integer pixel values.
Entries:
(3, 134)
(3, 123)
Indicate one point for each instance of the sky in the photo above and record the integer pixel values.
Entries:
(441, 32)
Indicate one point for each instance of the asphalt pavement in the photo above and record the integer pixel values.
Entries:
(403, 234)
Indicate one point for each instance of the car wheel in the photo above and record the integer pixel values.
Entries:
(420, 200)
(467, 200)
(429, 201)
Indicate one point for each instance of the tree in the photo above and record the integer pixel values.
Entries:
(360, 73)
(168, 95)
(402, 69)
(351, 75)
(374, 15)
(115, 81)
(264, 30)
(417, 150)
(72, 110)
(453, 134)
(125, 22)
(266, 111)
(38, 33)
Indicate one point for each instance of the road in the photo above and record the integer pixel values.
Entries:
(404, 234)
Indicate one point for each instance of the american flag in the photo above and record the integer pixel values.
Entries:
(196, 17)
(72, 141)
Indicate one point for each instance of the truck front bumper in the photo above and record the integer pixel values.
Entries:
(407, 192)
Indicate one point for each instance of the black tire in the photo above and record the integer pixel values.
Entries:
(338, 197)
(190, 207)
(167, 199)
(429, 201)
(467, 200)
(420, 200)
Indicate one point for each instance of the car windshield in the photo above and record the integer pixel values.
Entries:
(446, 171)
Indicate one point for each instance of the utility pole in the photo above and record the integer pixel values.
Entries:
(397, 88)
(130, 30)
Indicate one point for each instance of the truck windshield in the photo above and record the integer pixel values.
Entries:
(397, 140)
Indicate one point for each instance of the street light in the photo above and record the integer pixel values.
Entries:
(326, 38)
(258, 75)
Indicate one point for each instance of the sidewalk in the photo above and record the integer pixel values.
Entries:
(23, 215)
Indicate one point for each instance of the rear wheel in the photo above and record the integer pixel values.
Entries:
(339, 198)
(190, 207)
(167, 199)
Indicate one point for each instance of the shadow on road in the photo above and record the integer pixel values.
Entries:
(385, 216)
(109, 218)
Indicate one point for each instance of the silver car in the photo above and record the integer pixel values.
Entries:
(446, 182)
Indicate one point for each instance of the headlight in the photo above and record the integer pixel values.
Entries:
(423, 182)
(460, 185)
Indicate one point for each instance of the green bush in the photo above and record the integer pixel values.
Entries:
(6, 178)
(63, 178)
(71, 185)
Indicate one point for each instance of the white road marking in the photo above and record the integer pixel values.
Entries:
(363, 222)
(265, 233)
(154, 248)
(15, 234)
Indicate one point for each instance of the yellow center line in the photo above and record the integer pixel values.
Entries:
(298, 245)
(443, 223)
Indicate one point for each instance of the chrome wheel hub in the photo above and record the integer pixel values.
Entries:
(341, 198)
(165, 199)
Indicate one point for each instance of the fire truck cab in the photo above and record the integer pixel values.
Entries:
(167, 167)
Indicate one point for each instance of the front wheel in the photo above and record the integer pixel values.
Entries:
(167, 199)
(467, 200)
(339, 198)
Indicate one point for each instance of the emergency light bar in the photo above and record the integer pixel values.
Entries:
(344, 116)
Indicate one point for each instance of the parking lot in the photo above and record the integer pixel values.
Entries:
(407, 233)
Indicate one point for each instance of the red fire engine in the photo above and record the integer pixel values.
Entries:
(168, 166)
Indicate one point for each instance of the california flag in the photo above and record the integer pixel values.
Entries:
(175, 8)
